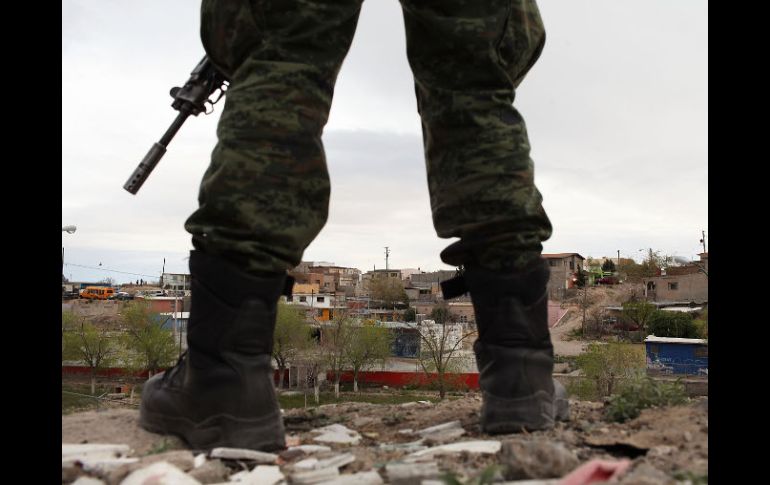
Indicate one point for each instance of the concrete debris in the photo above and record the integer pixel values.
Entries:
(88, 481)
(362, 421)
(410, 447)
(309, 449)
(213, 471)
(362, 478)
(337, 433)
(407, 431)
(181, 459)
(479, 446)
(536, 459)
(105, 466)
(71, 453)
(160, 473)
(243, 454)
(439, 427)
(646, 474)
(306, 464)
(411, 473)
(199, 460)
(260, 475)
(338, 461)
(314, 476)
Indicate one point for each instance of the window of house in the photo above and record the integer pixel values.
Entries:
(553, 262)
(571, 265)
(673, 286)
(289, 298)
(320, 299)
(463, 319)
(303, 298)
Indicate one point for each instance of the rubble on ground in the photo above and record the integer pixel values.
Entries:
(416, 444)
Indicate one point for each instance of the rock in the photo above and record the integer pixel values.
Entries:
(309, 449)
(314, 476)
(536, 459)
(440, 427)
(71, 453)
(337, 433)
(88, 481)
(362, 478)
(199, 460)
(260, 475)
(410, 447)
(687, 436)
(213, 471)
(306, 464)
(243, 454)
(372, 436)
(407, 431)
(104, 467)
(411, 473)
(181, 459)
(479, 446)
(70, 472)
(291, 454)
(362, 421)
(293, 441)
(445, 436)
(160, 473)
(660, 451)
(646, 474)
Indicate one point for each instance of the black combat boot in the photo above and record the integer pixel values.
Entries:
(221, 392)
(513, 351)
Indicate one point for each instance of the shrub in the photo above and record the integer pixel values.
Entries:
(672, 324)
(605, 365)
(644, 393)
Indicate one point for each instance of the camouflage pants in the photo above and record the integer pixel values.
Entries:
(265, 196)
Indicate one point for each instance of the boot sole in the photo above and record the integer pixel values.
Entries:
(263, 434)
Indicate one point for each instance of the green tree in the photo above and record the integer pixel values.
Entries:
(290, 338)
(603, 365)
(442, 314)
(608, 265)
(369, 345)
(85, 342)
(151, 346)
(672, 324)
(702, 325)
(638, 312)
(410, 315)
(388, 291)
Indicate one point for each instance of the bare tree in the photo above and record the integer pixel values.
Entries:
(335, 339)
(439, 344)
(85, 342)
(369, 345)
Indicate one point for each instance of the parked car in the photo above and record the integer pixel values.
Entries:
(122, 295)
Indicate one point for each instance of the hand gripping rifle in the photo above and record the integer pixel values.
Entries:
(190, 99)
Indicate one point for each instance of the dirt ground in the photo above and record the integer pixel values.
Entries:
(673, 440)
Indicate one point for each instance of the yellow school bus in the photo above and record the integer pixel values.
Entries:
(97, 292)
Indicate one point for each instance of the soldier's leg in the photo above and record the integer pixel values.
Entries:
(467, 59)
(262, 201)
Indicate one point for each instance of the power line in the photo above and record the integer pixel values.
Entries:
(109, 270)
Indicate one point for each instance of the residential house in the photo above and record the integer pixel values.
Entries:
(564, 268)
(688, 283)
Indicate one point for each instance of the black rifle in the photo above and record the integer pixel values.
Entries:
(190, 99)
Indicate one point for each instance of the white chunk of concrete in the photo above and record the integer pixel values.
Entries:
(160, 473)
(199, 460)
(306, 464)
(105, 465)
(311, 448)
(70, 453)
(88, 481)
(479, 446)
(260, 475)
(243, 454)
(337, 461)
(361, 478)
(440, 427)
(314, 476)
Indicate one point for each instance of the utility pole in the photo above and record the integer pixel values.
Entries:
(703, 240)
(618, 259)
(387, 253)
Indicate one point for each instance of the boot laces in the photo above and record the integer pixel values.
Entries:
(173, 371)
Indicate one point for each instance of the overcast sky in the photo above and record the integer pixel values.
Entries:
(616, 109)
